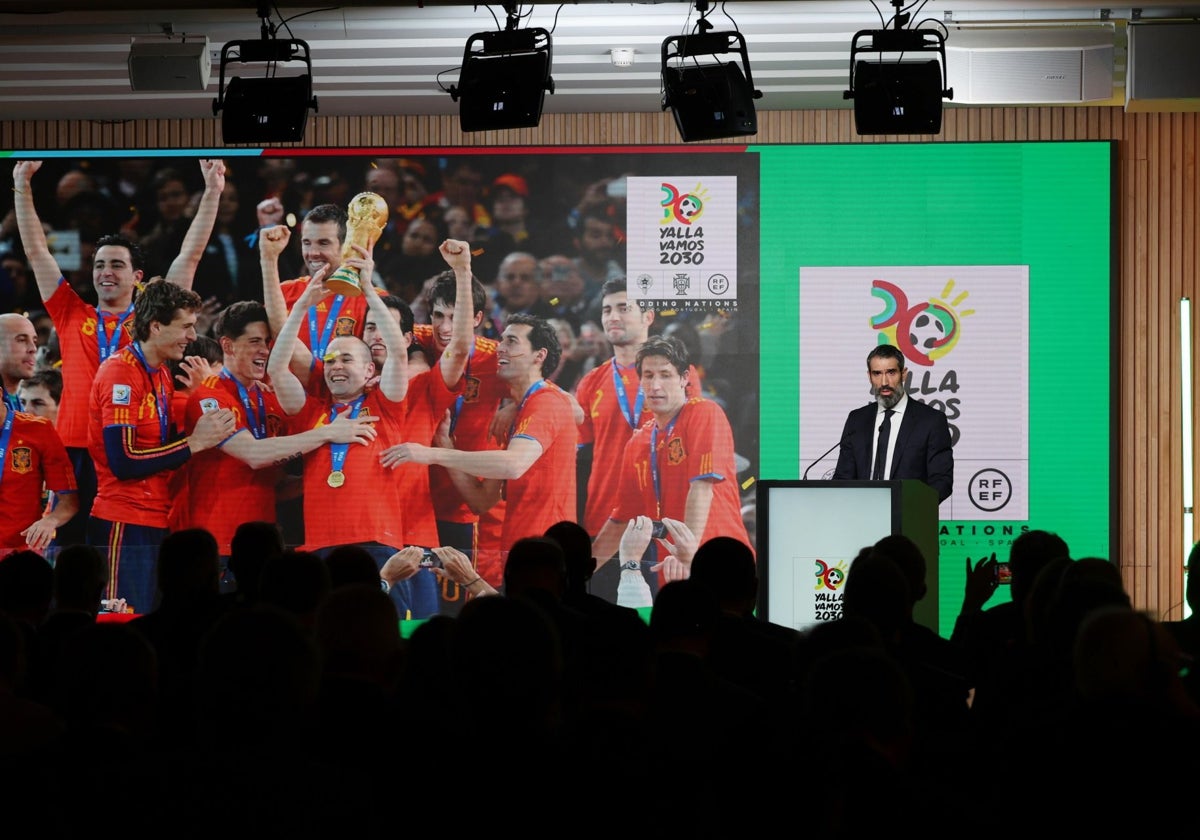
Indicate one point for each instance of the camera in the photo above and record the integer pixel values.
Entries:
(657, 529)
(429, 559)
(1003, 574)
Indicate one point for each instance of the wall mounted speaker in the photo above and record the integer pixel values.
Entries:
(170, 65)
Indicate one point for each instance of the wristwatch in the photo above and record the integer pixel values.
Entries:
(632, 565)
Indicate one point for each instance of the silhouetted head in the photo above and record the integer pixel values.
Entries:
(535, 563)
(349, 564)
(80, 575)
(1031, 552)
(725, 567)
(26, 586)
(252, 545)
(576, 546)
(683, 618)
(189, 564)
(877, 590)
(907, 555)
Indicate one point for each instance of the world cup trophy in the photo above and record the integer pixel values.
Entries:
(366, 217)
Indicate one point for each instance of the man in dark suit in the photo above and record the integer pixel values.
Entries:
(915, 438)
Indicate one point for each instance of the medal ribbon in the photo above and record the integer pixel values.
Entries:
(533, 389)
(337, 451)
(654, 459)
(4, 436)
(257, 421)
(318, 348)
(458, 403)
(158, 387)
(631, 417)
(11, 400)
(108, 346)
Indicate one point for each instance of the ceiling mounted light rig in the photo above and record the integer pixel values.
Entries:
(901, 90)
(712, 99)
(504, 77)
(271, 107)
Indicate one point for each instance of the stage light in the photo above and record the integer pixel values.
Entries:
(897, 97)
(713, 99)
(270, 108)
(504, 79)
(900, 90)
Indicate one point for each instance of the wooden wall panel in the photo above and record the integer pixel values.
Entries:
(1157, 255)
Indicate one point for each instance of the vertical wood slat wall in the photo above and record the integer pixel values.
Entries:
(1157, 253)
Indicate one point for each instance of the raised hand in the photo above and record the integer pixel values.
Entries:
(272, 241)
(636, 538)
(980, 582)
(269, 212)
(683, 541)
(23, 171)
(456, 253)
(214, 174)
(192, 371)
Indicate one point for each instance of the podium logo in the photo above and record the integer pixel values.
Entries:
(923, 332)
(830, 578)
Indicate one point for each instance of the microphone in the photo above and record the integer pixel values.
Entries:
(845, 438)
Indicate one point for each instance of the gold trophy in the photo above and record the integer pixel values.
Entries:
(366, 217)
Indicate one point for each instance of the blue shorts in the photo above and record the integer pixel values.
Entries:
(132, 554)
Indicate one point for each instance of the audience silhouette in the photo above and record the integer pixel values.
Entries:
(287, 707)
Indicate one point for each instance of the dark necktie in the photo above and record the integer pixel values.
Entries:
(881, 446)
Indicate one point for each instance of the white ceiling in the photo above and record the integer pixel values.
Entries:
(374, 58)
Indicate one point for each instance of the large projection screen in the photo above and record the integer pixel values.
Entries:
(814, 254)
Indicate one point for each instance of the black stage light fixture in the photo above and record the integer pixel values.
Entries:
(893, 95)
(504, 79)
(270, 108)
(708, 100)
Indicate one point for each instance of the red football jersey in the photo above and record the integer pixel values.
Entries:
(545, 494)
(34, 456)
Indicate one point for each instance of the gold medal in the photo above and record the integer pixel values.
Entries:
(336, 478)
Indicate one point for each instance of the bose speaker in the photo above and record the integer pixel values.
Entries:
(709, 101)
(169, 65)
(897, 97)
(1031, 66)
